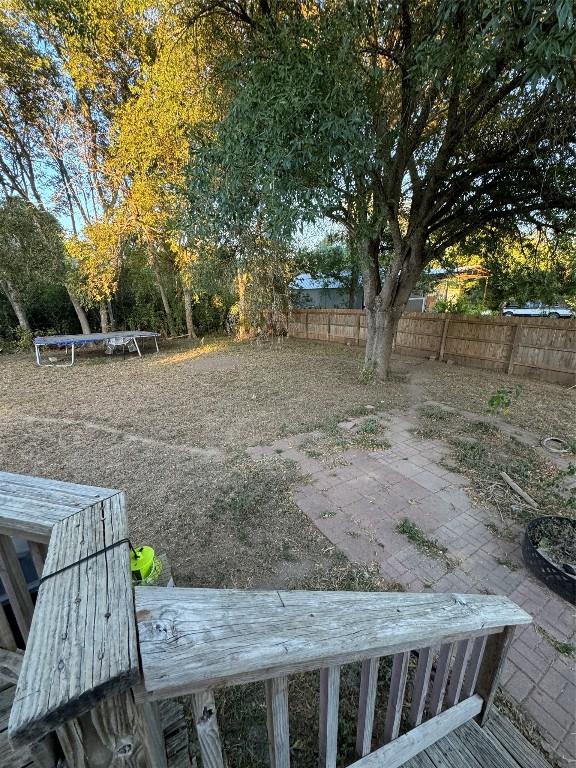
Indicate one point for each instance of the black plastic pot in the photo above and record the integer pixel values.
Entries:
(554, 576)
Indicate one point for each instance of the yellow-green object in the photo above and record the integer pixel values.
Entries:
(142, 562)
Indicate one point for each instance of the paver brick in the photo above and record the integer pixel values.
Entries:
(357, 506)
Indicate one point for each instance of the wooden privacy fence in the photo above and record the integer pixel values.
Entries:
(99, 658)
(536, 347)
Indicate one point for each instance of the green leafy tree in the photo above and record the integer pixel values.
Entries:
(30, 251)
(412, 124)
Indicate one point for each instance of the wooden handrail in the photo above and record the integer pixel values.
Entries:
(193, 639)
(81, 656)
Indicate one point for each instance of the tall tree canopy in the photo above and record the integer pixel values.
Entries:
(412, 123)
(30, 250)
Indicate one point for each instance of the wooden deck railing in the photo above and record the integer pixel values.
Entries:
(194, 640)
(98, 657)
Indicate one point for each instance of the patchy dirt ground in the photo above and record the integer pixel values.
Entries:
(173, 430)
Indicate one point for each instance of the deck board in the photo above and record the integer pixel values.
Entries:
(512, 740)
(31, 506)
(498, 745)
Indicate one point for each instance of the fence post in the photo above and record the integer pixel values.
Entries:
(443, 339)
(513, 348)
(358, 319)
(306, 321)
(328, 326)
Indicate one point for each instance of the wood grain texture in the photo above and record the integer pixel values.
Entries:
(277, 721)
(31, 506)
(502, 730)
(329, 705)
(396, 696)
(368, 689)
(461, 657)
(82, 644)
(13, 758)
(207, 730)
(440, 679)
(194, 639)
(10, 666)
(116, 733)
(176, 734)
(471, 677)
(38, 555)
(397, 752)
(46, 753)
(495, 653)
(10, 758)
(7, 639)
(15, 585)
(420, 688)
(471, 742)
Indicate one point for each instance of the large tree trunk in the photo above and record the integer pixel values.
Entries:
(15, 302)
(105, 328)
(188, 310)
(382, 326)
(385, 303)
(79, 309)
(354, 271)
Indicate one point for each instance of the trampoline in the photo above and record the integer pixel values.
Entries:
(71, 341)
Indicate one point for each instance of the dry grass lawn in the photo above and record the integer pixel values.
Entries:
(171, 430)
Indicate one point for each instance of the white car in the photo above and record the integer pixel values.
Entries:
(536, 309)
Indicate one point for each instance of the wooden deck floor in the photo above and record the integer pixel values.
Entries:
(498, 745)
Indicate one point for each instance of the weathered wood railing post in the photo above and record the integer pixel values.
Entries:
(81, 658)
(80, 678)
(497, 647)
(207, 730)
(188, 645)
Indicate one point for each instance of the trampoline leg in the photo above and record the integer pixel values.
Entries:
(156, 342)
(37, 350)
(137, 347)
(73, 347)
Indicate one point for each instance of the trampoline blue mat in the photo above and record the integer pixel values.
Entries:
(90, 338)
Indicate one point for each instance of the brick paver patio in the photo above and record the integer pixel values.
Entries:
(357, 505)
